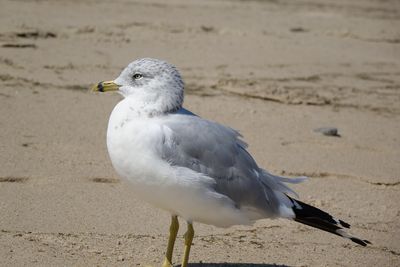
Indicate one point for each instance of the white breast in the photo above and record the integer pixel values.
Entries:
(134, 147)
(132, 142)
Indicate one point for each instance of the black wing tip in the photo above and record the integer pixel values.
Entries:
(361, 242)
(344, 224)
(320, 219)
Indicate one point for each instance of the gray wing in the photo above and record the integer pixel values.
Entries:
(218, 152)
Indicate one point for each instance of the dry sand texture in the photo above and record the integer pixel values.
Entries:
(275, 70)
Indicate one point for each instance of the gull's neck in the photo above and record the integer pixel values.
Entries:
(136, 107)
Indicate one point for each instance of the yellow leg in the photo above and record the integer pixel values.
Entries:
(188, 243)
(173, 231)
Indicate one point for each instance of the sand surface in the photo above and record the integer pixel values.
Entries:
(274, 70)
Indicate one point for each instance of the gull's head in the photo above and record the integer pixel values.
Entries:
(153, 85)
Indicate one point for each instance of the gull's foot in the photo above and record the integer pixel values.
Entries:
(167, 263)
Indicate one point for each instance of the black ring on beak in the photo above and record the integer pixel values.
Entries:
(100, 87)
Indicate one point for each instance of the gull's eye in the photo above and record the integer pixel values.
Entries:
(137, 76)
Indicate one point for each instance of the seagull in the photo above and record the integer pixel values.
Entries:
(195, 169)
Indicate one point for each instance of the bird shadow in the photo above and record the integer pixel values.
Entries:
(233, 265)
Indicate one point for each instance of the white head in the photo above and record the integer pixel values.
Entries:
(155, 86)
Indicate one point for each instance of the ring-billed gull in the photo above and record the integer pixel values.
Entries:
(196, 169)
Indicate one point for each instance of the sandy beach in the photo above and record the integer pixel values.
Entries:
(274, 70)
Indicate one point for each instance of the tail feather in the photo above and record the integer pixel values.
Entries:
(317, 218)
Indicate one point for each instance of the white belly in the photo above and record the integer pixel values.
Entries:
(134, 146)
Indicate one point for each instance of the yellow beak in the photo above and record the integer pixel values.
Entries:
(105, 86)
